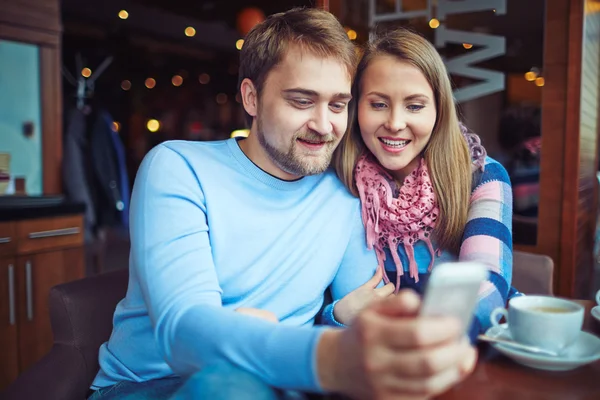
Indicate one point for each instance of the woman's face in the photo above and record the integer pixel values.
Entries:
(396, 113)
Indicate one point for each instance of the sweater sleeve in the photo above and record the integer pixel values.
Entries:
(173, 263)
(488, 239)
(357, 267)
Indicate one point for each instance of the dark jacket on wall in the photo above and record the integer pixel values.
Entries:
(94, 170)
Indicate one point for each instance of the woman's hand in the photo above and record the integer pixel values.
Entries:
(350, 305)
(255, 312)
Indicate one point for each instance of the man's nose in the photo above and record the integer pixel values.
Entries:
(320, 121)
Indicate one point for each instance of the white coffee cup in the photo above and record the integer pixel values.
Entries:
(543, 321)
(598, 297)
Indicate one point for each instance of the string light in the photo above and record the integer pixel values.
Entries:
(239, 44)
(86, 72)
(530, 76)
(123, 14)
(240, 133)
(177, 80)
(221, 98)
(539, 81)
(126, 85)
(204, 79)
(153, 125)
(150, 83)
(434, 23)
(190, 31)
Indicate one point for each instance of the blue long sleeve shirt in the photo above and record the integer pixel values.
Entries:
(211, 232)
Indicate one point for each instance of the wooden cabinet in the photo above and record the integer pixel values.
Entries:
(8, 322)
(35, 255)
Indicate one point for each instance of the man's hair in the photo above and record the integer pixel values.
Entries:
(314, 31)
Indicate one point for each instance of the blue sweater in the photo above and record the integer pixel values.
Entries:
(211, 232)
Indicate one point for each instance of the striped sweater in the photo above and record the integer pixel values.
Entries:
(487, 238)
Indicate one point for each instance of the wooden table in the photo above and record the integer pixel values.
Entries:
(499, 378)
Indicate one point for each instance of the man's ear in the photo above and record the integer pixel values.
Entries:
(249, 97)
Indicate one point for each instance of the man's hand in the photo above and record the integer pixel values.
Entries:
(390, 353)
(350, 305)
(255, 312)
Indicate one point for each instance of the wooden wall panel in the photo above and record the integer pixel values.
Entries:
(570, 218)
(588, 162)
(556, 34)
(42, 15)
(24, 34)
(52, 120)
(570, 104)
(576, 225)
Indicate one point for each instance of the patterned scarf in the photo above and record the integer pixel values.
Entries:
(392, 220)
(392, 217)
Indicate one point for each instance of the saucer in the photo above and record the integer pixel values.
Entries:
(584, 351)
(596, 313)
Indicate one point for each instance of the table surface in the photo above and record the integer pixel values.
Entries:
(499, 378)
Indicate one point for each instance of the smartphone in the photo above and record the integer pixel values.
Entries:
(453, 289)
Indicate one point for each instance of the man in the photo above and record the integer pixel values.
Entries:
(261, 223)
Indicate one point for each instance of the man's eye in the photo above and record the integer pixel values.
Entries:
(302, 102)
(339, 107)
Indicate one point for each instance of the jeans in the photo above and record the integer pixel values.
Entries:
(222, 381)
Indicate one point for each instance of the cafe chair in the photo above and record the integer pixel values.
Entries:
(533, 273)
(81, 314)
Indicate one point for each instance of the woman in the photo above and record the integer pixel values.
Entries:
(429, 194)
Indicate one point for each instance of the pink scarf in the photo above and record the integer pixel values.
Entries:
(391, 220)
(405, 218)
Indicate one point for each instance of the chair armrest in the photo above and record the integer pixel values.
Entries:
(59, 375)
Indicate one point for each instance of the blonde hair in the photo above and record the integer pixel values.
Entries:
(313, 30)
(446, 155)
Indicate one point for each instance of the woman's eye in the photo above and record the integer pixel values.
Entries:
(416, 107)
(378, 106)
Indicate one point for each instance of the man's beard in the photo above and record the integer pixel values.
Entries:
(293, 163)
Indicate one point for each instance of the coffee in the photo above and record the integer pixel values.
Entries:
(550, 309)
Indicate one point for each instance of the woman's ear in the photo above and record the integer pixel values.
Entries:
(249, 97)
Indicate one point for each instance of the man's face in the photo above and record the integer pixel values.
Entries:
(302, 114)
